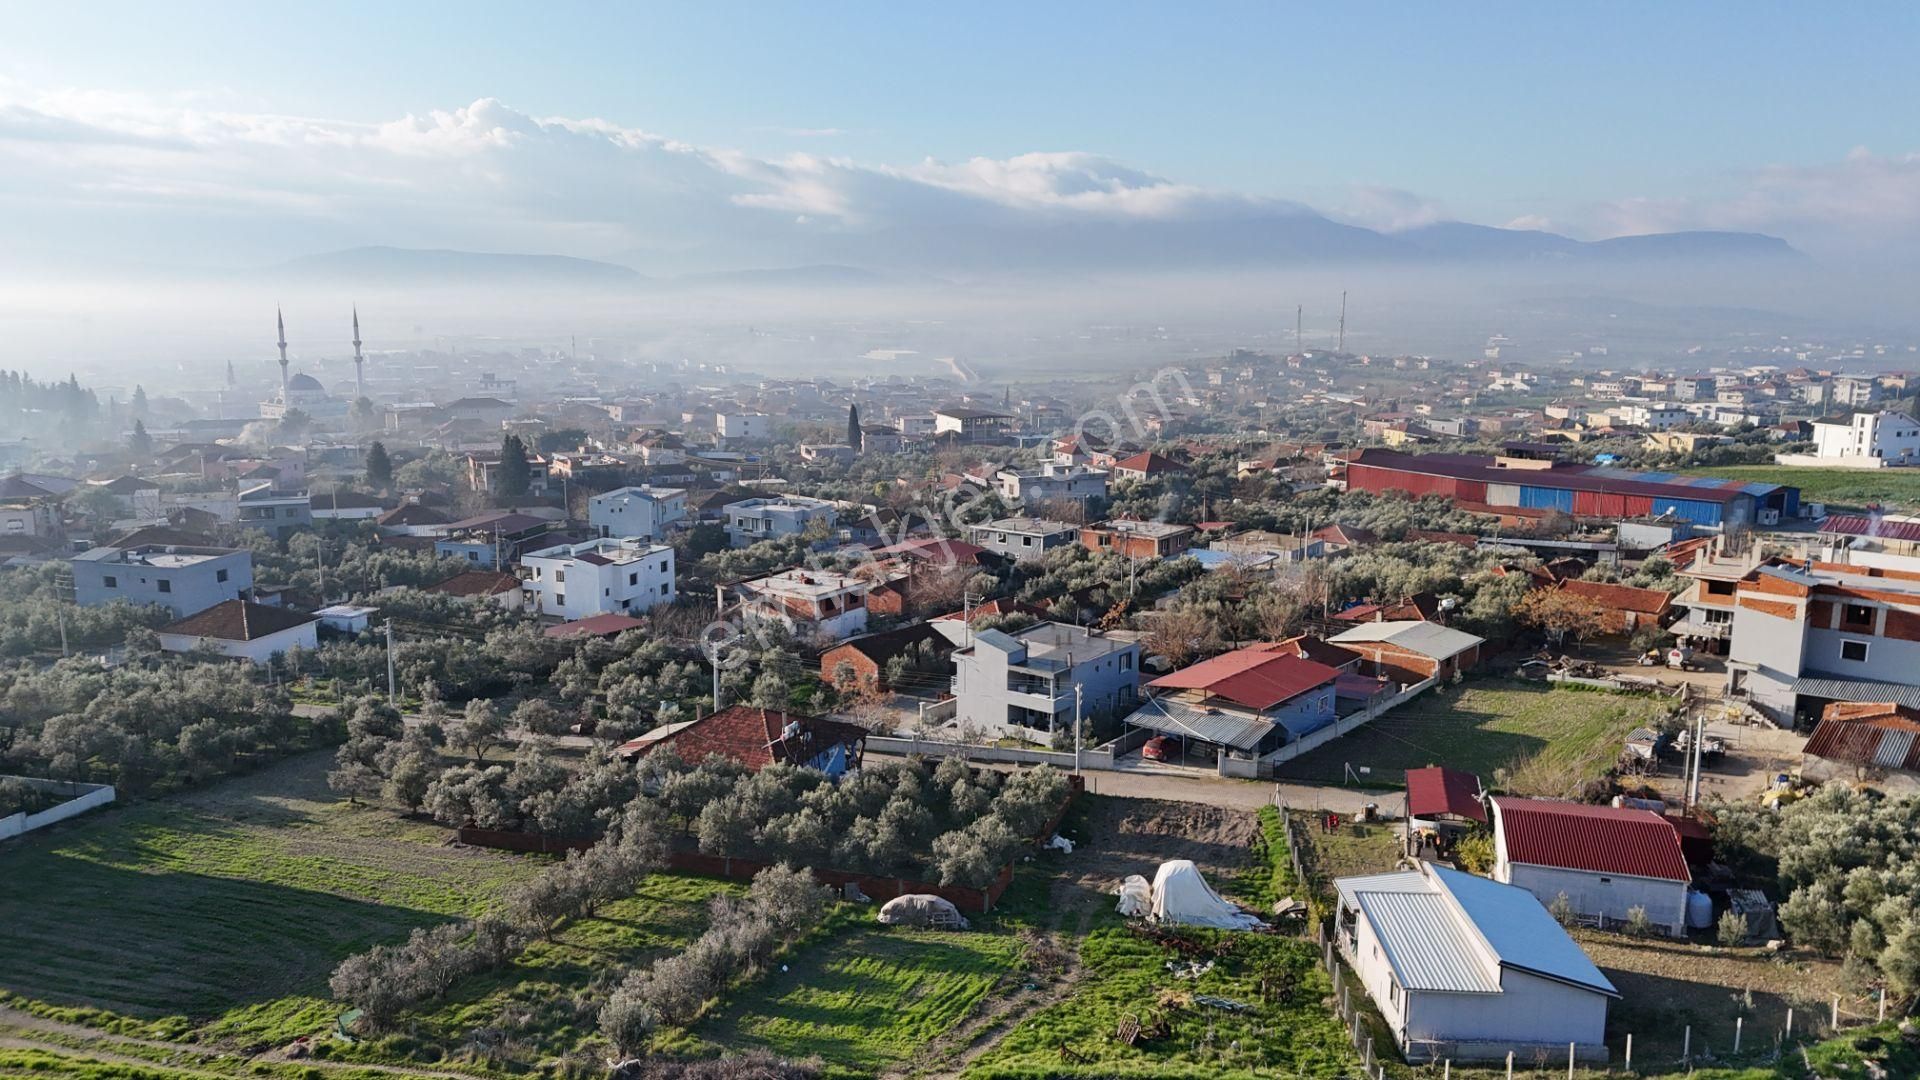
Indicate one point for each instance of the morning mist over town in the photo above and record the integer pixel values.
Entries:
(755, 541)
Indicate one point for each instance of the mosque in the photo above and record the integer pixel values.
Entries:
(306, 393)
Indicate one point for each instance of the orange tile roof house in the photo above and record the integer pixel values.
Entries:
(1623, 608)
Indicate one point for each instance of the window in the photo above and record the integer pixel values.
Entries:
(560, 599)
(666, 589)
(1126, 661)
(165, 585)
(1858, 615)
(112, 582)
(1855, 651)
(560, 575)
(220, 575)
(633, 579)
(663, 566)
(473, 556)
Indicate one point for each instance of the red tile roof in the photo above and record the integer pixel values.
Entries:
(596, 626)
(1437, 790)
(753, 737)
(1150, 463)
(939, 549)
(1620, 597)
(1256, 677)
(1599, 839)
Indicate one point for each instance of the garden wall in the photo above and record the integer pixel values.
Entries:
(92, 795)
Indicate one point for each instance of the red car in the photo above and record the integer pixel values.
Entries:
(1161, 748)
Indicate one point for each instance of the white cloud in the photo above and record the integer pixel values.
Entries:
(1390, 209)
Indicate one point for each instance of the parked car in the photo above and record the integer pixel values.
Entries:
(1161, 748)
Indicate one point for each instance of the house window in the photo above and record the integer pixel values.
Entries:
(559, 575)
(1855, 651)
(1126, 661)
(633, 579)
(473, 556)
(1858, 615)
(560, 599)
(220, 575)
(166, 586)
(665, 589)
(112, 582)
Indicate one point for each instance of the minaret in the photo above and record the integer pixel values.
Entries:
(278, 315)
(359, 375)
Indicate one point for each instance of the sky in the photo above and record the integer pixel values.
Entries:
(223, 133)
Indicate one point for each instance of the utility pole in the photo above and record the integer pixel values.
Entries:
(716, 684)
(1343, 322)
(393, 693)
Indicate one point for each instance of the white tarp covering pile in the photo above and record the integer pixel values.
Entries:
(1181, 895)
(1136, 897)
(922, 909)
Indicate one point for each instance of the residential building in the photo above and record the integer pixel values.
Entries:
(752, 520)
(864, 660)
(1137, 539)
(1624, 609)
(493, 539)
(1251, 701)
(1854, 391)
(1655, 416)
(1694, 388)
(344, 506)
(489, 585)
(1411, 651)
(586, 467)
(277, 514)
(1146, 466)
(1467, 969)
(1804, 635)
(1283, 547)
(184, 580)
(243, 630)
(1025, 681)
(743, 426)
(1864, 440)
(644, 511)
(608, 626)
(1051, 481)
(827, 453)
(605, 576)
(483, 472)
(1024, 539)
(810, 603)
(970, 425)
(1607, 861)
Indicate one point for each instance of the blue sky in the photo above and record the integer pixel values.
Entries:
(1592, 119)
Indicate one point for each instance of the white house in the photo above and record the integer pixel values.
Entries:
(746, 425)
(643, 511)
(1605, 860)
(1051, 481)
(243, 630)
(1467, 969)
(1865, 440)
(807, 602)
(599, 577)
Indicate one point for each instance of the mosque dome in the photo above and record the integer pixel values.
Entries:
(307, 383)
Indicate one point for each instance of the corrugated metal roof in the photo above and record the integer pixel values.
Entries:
(1448, 931)
(1600, 839)
(1207, 725)
(1838, 688)
(1863, 742)
(1427, 639)
(1425, 944)
(1879, 528)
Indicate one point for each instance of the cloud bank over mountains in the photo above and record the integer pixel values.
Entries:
(88, 176)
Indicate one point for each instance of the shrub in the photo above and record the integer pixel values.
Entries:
(790, 899)
(626, 1020)
(1561, 909)
(1732, 929)
(1638, 924)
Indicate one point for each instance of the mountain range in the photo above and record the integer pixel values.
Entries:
(1290, 241)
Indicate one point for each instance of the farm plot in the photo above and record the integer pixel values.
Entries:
(183, 910)
(1549, 739)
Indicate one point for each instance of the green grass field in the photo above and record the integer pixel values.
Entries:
(1835, 487)
(180, 911)
(1549, 740)
(866, 998)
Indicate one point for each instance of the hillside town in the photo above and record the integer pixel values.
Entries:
(1315, 714)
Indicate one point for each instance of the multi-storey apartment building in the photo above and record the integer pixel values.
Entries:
(599, 577)
(644, 511)
(1027, 679)
(185, 580)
